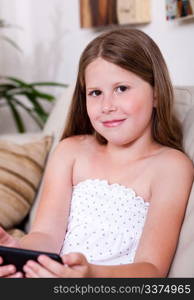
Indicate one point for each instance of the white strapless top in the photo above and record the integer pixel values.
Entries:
(105, 222)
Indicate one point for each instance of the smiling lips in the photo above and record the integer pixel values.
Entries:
(113, 123)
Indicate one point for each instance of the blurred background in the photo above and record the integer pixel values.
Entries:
(51, 38)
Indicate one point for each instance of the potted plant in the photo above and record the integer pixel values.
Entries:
(14, 90)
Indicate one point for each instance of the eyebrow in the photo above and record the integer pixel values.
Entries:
(92, 88)
(114, 84)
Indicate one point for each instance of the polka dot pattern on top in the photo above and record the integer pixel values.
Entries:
(105, 222)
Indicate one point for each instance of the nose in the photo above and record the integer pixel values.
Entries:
(108, 109)
(108, 104)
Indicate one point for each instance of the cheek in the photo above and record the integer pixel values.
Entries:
(140, 106)
(139, 113)
(133, 107)
(91, 110)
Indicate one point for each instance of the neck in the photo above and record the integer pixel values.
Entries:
(135, 150)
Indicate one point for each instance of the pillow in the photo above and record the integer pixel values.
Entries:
(188, 129)
(21, 138)
(21, 170)
(182, 265)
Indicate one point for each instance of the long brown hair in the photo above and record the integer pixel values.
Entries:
(135, 51)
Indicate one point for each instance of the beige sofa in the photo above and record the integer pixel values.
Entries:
(183, 262)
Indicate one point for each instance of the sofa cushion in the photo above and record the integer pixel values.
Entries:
(21, 138)
(54, 126)
(57, 118)
(184, 101)
(21, 169)
(188, 133)
(183, 264)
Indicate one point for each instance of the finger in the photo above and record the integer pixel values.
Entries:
(60, 270)
(51, 265)
(30, 273)
(72, 259)
(7, 270)
(34, 270)
(16, 275)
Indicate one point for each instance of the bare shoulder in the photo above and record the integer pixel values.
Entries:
(175, 174)
(170, 189)
(77, 140)
(74, 145)
(172, 161)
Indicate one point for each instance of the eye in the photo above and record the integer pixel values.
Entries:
(121, 88)
(95, 93)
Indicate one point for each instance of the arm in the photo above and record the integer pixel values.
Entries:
(170, 191)
(169, 195)
(48, 230)
(76, 265)
(49, 227)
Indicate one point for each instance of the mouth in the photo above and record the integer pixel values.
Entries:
(113, 123)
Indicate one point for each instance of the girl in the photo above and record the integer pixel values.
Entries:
(117, 185)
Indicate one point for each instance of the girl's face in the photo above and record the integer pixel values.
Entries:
(119, 103)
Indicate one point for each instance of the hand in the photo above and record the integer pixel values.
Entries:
(7, 240)
(8, 271)
(75, 266)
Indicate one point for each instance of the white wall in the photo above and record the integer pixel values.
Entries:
(175, 39)
(42, 38)
(52, 42)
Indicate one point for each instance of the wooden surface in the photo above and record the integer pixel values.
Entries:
(94, 13)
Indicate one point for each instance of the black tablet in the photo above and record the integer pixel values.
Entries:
(19, 257)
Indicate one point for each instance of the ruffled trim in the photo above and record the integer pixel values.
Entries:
(118, 186)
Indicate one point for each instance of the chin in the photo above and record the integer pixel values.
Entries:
(118, 141)
(116, 138)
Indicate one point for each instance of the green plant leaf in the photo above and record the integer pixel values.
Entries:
(30, 112)
(44, 96)
(5, 89)
(49, 84)
(25, 84)
(18, 81)
(6, 86)
(24, 91)
(14, 91)
(10, 90)
(16, 115)
(37, 107)
(31, 88)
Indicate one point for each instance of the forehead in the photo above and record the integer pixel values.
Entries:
(101, 71)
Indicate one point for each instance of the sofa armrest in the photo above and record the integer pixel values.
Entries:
(54, 126)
